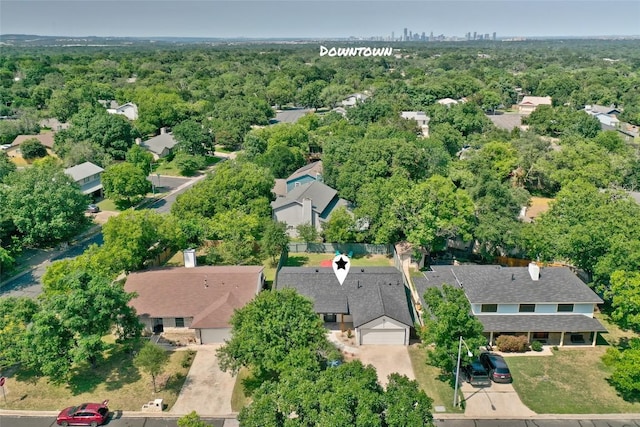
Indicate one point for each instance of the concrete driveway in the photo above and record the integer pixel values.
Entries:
(207, 390)
(386, 359)
(499, 400)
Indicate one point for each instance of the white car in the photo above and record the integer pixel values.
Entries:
(5, 146)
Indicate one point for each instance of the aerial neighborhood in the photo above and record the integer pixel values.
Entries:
(256, 235)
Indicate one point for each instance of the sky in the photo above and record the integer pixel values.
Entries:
(319, 18)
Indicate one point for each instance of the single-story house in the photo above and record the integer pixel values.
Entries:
(88, 176)
(199, 300)
(530, 103)
(447, 102)
(547, 304)
(45, 139)
(129, 110)
(311, 203)
(601, 109)
(373, 301)
(421, 118)
(160, 145)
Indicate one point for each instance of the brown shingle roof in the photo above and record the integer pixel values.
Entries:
(45, 139)
(209, 294)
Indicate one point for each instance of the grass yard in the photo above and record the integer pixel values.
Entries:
(116, 379)
(238, 399)
(107, 205)
(429, 379)
(303, 259)
(572, 381)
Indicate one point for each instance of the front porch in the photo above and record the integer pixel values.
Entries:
(559, 339)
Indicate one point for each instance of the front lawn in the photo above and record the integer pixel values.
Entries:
(430, 380)
(116, 379)
(572, 381)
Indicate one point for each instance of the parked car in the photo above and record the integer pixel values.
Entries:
(93, 208)
(87, 414)
(475, 374)
(496, 367)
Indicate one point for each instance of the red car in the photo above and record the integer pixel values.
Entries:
(87, 414)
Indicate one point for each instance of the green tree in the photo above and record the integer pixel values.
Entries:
(307, 232)
(69, 328)
(276, 330)
(152, 360)
(447, 317)
(238, 234)
(188, 164)
(15, 315)
(625, 300)
(32, 148)
(406, 404)
(193, 138)
(140, 158)
(311, 94)
(274, 240)
(625, 364)
(192, 419)
(125, 184)
(340, 228)
(6, 165)
(45, 205)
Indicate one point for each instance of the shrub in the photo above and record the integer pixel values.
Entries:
(187, 358)
(512, 344)
(536, 346)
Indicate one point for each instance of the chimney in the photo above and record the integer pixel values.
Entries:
(534, 271)
(307, 213)
(189, 258)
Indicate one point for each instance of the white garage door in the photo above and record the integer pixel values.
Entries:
(214, 336)
(382, 336)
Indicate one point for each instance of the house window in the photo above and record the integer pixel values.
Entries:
(489, 308)
(540, 335)
(330, 318)
(179, 322)
(567, 308)
(527, 308)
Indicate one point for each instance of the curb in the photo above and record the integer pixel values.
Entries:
(115, 414)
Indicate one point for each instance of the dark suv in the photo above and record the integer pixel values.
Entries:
(475, 374)
(497, 367)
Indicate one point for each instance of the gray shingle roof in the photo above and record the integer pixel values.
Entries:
(542, 323)
(311, 169)
(320, 194)
(158, 143)
(490, 284)
(83, 170)
(366, 294)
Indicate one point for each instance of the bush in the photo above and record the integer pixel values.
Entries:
(512, 344)
(536, 346)
(187, 358)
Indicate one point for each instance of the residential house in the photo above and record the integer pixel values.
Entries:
(129, 110)
(601, 109)
(530, 103)
(306, 174)
(194, 300)
(447, 102)
(88, 176)
(353, 99)
(421, 118)
(54, 124)
(45, 139)
(160, 145)
(547, 304)
(312, 202)
(373, 301)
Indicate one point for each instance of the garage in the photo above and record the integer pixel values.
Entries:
(214, 336)
(383, 331)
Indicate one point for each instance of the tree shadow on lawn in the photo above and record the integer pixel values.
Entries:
(297, 261)
(115, 371)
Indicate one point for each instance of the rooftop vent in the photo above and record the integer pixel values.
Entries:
(189, 258)
(534, 271)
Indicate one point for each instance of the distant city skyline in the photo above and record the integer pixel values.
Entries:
(319, 18)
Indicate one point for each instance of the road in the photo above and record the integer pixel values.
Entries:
(30, 421)
(29, 284)
(124, 421)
